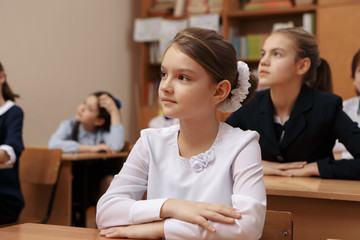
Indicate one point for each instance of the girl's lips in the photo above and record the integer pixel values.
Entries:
(167, 100)
(263, 72)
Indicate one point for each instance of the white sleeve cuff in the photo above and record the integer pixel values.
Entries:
(10, 151)
(146, 210)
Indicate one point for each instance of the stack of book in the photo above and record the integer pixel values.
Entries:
(303, 2)
(215, 6)
(197, 7)
(266, 4)
(162, 8)
(249, 46)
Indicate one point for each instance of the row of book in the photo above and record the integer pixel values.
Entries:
(184, 7)
(268, 4)
(249, 46)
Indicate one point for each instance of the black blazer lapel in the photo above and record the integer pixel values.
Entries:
(266, 119)
(297, 120)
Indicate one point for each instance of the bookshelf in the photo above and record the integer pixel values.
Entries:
(234, 19)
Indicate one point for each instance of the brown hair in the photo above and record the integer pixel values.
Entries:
(214, 53)
(103, 113)
(6, 90)
(319, 74)
(354, 64)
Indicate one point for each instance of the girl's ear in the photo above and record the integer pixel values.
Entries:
(222, 90)
(99, 122)
(303, 66)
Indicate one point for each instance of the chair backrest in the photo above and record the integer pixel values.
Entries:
(278, 225)
(38, 172)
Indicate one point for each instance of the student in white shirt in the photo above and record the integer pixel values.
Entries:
(203, 178)
(352, 105)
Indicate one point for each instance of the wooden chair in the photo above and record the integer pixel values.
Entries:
(278, 225)
(38, 172)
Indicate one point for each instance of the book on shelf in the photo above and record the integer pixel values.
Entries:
(215, 6)
(268, 4)
(162, 8)
(197, 7)
(303, 2)
(308, 21)
(249, 46)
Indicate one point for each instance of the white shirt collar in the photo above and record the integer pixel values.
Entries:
(8, 104)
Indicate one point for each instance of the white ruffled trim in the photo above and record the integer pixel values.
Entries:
(240, 92)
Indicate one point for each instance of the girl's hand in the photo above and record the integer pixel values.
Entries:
(105, 101)
(199, 212)
(308, 170)
(101, 148)
(281, 169)
(152, 230)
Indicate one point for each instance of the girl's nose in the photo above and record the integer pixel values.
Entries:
(264, 60)
(166, 86)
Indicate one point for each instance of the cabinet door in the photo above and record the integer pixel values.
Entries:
(338, 35)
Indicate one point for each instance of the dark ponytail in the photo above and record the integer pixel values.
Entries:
(323, 79)
(6, 90)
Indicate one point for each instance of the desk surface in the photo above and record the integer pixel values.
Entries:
(90, 156)
(35, 231)
(3, 165)
(313, 187)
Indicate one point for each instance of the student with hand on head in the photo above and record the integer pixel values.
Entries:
(96, 127)
(352, 105)
(203, 178)
(11, 147)
(298, 124)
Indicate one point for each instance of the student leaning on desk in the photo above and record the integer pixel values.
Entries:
(298, 124)
(11, 146)
(97, 127)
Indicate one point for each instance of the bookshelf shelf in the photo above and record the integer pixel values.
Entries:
(273, 12)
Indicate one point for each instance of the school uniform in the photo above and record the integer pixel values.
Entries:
(316, 121)
(229, 172)
(11, 199)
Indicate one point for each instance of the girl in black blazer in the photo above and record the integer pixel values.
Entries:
(298, 124)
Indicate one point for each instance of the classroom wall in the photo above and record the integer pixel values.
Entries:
(56, 52)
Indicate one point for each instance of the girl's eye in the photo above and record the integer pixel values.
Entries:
(184, 78)
(262, 54)
(163, 75)
(276, 54)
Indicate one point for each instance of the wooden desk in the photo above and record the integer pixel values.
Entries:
(62, 208)
(4, 166)
(33, 231)
(321, 208)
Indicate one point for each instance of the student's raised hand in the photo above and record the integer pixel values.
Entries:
(199, 212)
(152, 230)
(105, 101)
(310, 169)
(281, 169)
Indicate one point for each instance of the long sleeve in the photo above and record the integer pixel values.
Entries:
(12, 141)
(115, 138)
(348, 133)
(249, 197)
(62, 137)
(121, 204)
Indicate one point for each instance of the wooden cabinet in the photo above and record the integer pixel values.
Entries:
(233, 17)
(338, 36)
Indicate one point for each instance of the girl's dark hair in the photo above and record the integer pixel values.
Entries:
(214, 53)
(6, 90)
(355, 63)
(102, 114)
(319, 74)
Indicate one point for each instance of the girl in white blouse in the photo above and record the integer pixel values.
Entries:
(203, 178)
